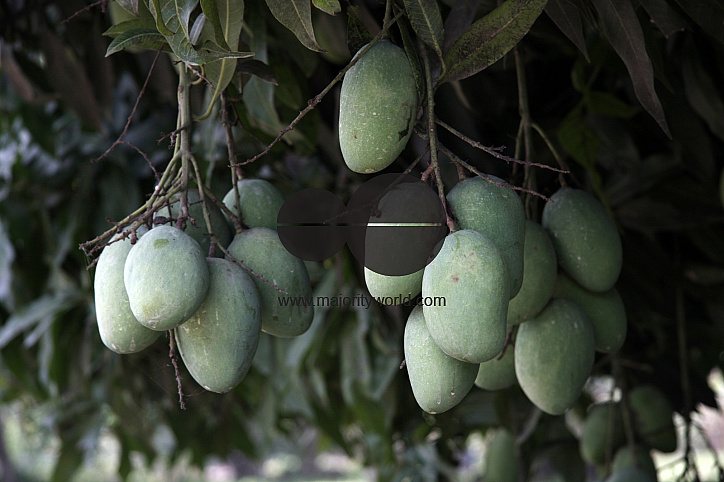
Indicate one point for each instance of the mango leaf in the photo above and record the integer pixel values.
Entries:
(231, 17)
(624, 32)
(69, 461)
(664, 16)
(461, 16)
(122, 27)
(578, 139)
(154, 6)
(296, 15)
(147, 38)
(332, 7)
(258, 68)
(708, 14)
(490, 38)
(182, 10)
(567, 17)
(424, 16)
(211, 11)
(608, 104)
(357, 34)
(130, 6)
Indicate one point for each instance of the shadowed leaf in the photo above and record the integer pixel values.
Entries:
(139, 23)
(567, 17)
(147, 38)
(258, 68)
(458, 20)
(708, 14)
(490, 38)
(296, 15)
(664, 16)
(183, 10)
(624, 32)
(331, 7)
(425, 18)
(212, 12)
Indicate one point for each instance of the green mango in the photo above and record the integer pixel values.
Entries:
(605, 310)
(501, 461)
(497, 374)
(630, 474)
(197, 228)
(652, 418)
(218, 343)
(261, 251)
(498, 213)
(595, 437)
(558, 461)
(377, 108)
(166, 277)
(539, 275)
(639, 458)
(391, 290)
(470, 278)
(119, 329)
(439, 382)
(259, 200)
(585, 237)
(554, 355)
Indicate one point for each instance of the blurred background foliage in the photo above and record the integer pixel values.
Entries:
(340, 387)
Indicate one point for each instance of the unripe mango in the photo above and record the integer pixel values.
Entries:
(497, 374)
(585, 237)
(378, 105)
(498, 213)
(439, 382)
(281, 314)
(652, 418)
(470, 276)
(539, 275)
(166, 277)
(120, 330)
(554, 355)
(639, 458)
(383, 287)
(605, 310)
(218, 343)
(595, 437)
(501, 462)
(197, 228)
(259, 200)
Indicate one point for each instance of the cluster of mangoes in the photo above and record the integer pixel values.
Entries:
(217, 310)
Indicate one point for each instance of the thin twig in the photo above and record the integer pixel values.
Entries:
(86, 9)
(174, 361)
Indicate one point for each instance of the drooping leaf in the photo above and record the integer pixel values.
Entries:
(119, 28)
(257, 68)
(332, 7)
(296, 15)
(664, 16)
(183, 10)
(147, 38)
(197, 28)
(425, 18)
(461, 16)
(490, 38)
(708, 14)
(231, 17)
(567, 17)
(624, 32)
(211, 11)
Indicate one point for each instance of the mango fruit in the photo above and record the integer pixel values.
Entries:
(498, 213)
(396, 288)
(497, 373)
(259, 201)
(652, 418)
(119, 329)
(166, 277)
(261, 250)
(596, 437)
(471, 279)
(218, 343)
(197, 228)
(377, 109)
(438, 381)
(539, 275)
(554, 355)
(501, 461)
(605, 310)
(585, 237)
(639, 458)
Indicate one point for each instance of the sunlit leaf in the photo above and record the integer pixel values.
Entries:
(331, 7)
(296, 15)
(623, 30)
(424, 15)
(567, 17)
(490, 38)
(147, 38)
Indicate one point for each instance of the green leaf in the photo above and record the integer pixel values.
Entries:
(130, 6)
(424, 15)
(332, 7)
(608, 104)
(490, 38)
(182, 10)
(155, 7)
(624, 32)
(708, 14)
(68, 462)
(567, 17)
(664, 16)
(578, 139)
(357, 34)
(147, 38)
(210, 9)
(296, 15)
(118, 29)
(459, 19)
(258, 68)
(230, 14)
